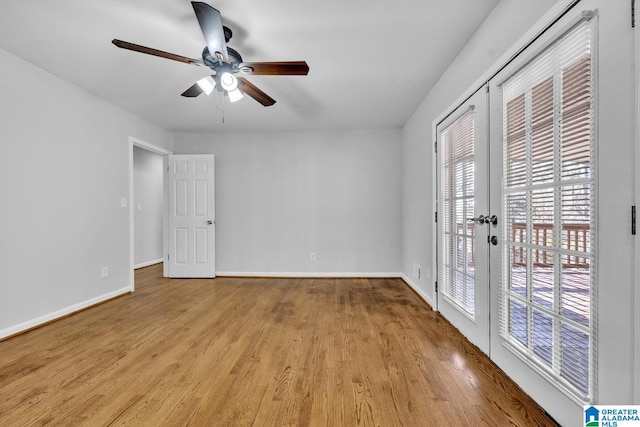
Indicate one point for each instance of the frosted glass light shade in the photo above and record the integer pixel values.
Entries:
(207, 84)
(228, 82)
(235, 95)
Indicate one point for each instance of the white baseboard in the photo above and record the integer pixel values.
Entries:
(306, 274)
(418, 291)
(12, 330)
(148, 263)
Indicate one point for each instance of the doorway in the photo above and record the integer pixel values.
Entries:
(141, 149)
(148, 199)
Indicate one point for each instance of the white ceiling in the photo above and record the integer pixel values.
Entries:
(371, 62)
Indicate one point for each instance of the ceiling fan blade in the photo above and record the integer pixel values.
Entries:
(288, 68)
(156, 52)
(211, 25)
(193, 91)
(253, 91)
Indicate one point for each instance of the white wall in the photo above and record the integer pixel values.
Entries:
(282, 195)
(65, 168)
(148, 204)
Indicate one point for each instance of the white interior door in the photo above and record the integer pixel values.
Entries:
(464, 220)
(191, 218)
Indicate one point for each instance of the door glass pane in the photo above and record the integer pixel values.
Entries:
(458, 233)
(516, 166)
(574, 363)
(543, 337)
(574, 295)
(518, 271)
(576, 123)
(542, 152)
(518, 325)
(543, 285)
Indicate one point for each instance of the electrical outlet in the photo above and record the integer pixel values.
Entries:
(417, 271)
(427, 273)
(104, 272)
(312, 256)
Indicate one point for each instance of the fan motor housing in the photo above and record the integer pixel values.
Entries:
(215, 64)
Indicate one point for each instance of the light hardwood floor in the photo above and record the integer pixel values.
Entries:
(256, 352)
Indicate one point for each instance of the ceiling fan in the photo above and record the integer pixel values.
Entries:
(224, 61)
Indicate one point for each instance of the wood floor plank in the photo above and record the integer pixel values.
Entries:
(256, 352)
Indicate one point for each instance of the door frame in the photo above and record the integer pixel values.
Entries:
(135, 142)
(636, 37)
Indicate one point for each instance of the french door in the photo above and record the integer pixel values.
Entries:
(464, 219)
(554, 171)
(543, 141)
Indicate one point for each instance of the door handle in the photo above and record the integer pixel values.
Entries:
(493, 219)
(480, 219)
(209, 222)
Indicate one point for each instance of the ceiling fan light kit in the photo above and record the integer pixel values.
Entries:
(228, 81)
(225, 62)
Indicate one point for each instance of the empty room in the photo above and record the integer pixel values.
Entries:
(284, 213)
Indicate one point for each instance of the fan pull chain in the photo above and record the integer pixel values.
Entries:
(223, 108)
(218, 104)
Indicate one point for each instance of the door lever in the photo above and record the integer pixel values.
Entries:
(480, 219)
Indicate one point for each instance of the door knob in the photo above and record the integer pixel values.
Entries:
(494, 240)
(209, 222)
(493, 220)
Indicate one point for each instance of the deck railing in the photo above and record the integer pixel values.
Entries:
(575, 238)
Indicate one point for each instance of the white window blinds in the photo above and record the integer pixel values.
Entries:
(548, 280)
(457, 233)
